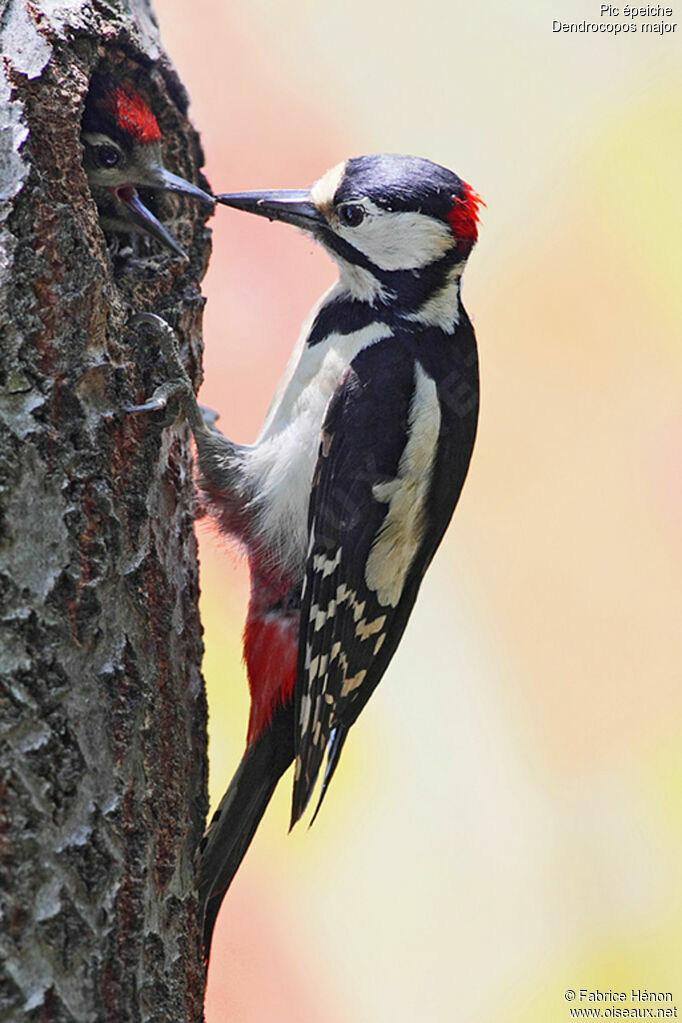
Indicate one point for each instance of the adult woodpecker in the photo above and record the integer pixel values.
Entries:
(122, 151)
(344, 497)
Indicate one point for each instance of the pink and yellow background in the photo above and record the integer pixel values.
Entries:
(506, 822)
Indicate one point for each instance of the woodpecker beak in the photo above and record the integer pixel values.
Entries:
(289, 205)
(144, 220)
(161, 178)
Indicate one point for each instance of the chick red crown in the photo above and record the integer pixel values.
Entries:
(132, 114)
(118, 110)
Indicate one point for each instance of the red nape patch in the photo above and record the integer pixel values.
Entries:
(132, 115)
(463, 217)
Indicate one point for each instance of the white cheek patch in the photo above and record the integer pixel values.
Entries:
(399, 240)
(398, 539)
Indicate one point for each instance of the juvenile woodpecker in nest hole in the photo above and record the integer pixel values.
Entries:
(344, 497)
(122, 152)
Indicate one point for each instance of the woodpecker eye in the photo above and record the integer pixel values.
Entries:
(351, 214)
(107, 156)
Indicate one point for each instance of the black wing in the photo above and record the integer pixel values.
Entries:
(393, 457)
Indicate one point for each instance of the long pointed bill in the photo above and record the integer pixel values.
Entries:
(144, 220)
(290, 205)
(173, 183)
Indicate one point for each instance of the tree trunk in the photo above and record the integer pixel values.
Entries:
(103, 758)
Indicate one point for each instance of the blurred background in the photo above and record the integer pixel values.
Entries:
(506, 822)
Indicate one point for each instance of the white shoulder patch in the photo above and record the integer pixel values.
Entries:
(398, 539)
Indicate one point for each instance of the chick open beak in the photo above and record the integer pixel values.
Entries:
(143, 220)
(141, 217)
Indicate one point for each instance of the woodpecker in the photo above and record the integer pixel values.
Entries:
(122, 151)
(345, 495)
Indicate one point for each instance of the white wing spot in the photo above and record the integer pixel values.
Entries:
(366, 629)
(306, 704)
(327, 565)
(318, 617)
(326, 444)
(343, 593)
(398, 539)
(349, 684)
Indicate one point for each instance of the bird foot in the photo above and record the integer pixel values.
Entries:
(176, 394)
(169, 398)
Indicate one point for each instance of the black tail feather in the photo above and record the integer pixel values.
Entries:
(235, 821)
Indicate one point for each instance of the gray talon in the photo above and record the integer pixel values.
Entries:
(149, 320)
(167, 397)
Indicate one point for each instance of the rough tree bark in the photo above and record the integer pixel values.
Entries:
(103, 755)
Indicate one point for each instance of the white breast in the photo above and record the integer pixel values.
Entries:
(280, 464)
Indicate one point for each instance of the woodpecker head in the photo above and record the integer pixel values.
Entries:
(398, 226)
(122, 152)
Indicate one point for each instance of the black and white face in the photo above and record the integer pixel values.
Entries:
(377, 221)
(398, 212)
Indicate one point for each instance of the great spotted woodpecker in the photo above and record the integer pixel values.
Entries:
(344, 497)
(122, 151)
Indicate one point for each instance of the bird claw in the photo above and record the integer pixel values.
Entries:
(168, 397)
(151, 320)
